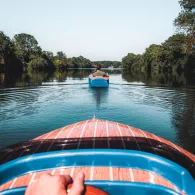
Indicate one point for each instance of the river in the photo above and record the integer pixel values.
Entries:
(35, 103)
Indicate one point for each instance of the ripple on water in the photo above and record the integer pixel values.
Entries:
(28, 112)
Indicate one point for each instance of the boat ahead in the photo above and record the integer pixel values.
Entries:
(98, 81)
(114, 157)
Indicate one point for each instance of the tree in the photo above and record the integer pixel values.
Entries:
(174, 52)
(61, 55)
(128, 60)
(80, 62)
(26, 47)
(37, 63)
(49, 59)
(61, 61)
(6, 49)
(138, 63)
(185, 22)
(49, 54)
(152, 57)
(106, 64)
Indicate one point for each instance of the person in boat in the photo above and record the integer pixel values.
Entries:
(49, 184)
(98, 72)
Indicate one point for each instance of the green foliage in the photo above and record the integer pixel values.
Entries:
(152, 57)
(60, 55)
(107, 64)
(38, 63)
(49, 55)
(177, 53)
(185, 22)
(61, 61)
(6, 48)
(26, 47)
(188, 5)
(80, 62)
(174, 52)
(138, 63)
(128, 60)
(170, 55)
(133, 62)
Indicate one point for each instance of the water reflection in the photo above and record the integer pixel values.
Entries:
(36, 78)
(183, 119)
(100, 95)
(162, 103)
(161, 79)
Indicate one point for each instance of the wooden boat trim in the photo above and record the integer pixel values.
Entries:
(96, 173)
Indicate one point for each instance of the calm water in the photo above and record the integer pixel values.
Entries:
(35, 103)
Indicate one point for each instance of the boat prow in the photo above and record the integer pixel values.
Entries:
(117, 158)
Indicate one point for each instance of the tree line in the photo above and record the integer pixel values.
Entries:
(177, 53)
(24, 53)
(109, 64)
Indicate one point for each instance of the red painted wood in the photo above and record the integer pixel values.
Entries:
(137, 132)
(101, 129)
(89, 131)
(101, 173)
(77, 130)
(22, 181)
(113, 129)
(121, 174)
(140, 175)
(125, 130)
(85, 170)
(5, 186)
(54, 134)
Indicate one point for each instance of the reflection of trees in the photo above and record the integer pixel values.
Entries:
(78, 73)
(167, 79)
(113, 71)
(60, 76)
(72, 73)
(35, 78)
(130, 76)
(10, 79)
(30, 78)
(184, 120)
(2, 78)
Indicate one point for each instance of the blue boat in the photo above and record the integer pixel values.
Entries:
(98, 81)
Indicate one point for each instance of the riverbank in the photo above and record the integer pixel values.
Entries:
(35, 78)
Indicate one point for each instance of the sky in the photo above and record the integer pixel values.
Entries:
(95, 29)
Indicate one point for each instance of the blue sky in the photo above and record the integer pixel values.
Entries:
(96, 29)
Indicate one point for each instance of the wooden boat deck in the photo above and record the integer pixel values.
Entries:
(101, 128)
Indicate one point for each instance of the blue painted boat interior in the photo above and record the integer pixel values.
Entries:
(98, 82)
(173, 172)
(114, 188)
